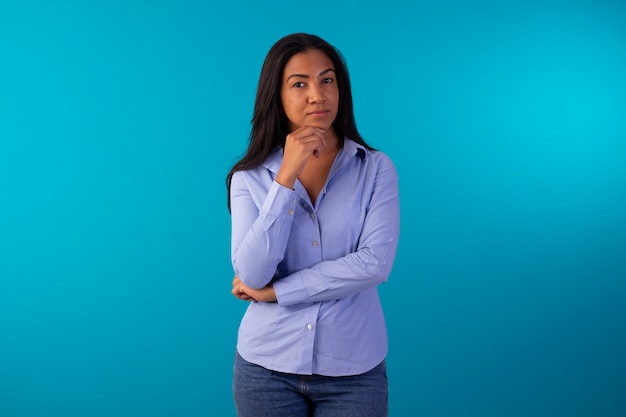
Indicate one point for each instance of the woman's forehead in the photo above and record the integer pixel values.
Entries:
(309, 61)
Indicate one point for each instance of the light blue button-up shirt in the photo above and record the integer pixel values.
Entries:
(325, 261)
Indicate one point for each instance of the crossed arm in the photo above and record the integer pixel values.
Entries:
(259, 243)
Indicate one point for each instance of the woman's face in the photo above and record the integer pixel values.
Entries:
(309, 91)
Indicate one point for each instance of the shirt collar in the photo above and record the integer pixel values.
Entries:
(350, 148)
(274, 161)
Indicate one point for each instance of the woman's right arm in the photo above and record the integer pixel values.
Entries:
(262, 218)
(261, 224)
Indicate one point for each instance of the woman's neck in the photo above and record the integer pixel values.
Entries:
(333, 143)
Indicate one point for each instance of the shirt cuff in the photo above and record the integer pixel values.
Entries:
(289, 294)
(298, 288)
(279, 199)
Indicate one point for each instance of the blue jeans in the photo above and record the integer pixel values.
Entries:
(260, 392)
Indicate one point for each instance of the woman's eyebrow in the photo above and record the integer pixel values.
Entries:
(297, 76)
(327, 70)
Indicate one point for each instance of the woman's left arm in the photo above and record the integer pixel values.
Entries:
(369, 266)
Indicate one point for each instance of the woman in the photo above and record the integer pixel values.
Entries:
(315, 224)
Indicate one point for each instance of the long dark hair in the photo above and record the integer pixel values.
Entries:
(269, 123)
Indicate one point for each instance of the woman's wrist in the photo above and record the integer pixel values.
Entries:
(285, 180)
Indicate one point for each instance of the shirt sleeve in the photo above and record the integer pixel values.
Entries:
(369, 266)
(259, 235)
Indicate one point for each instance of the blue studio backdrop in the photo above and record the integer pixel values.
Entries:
(507, 123)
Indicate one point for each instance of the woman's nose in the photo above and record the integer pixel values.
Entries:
(316, 96)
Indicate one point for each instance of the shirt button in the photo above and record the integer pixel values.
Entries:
(315, 243)
(309, 326)
(290, 212)
(312, 215)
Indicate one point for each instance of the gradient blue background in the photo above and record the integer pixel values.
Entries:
(120, 119)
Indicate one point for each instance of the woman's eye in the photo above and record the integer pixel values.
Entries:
(299, 84)
(328, 80)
